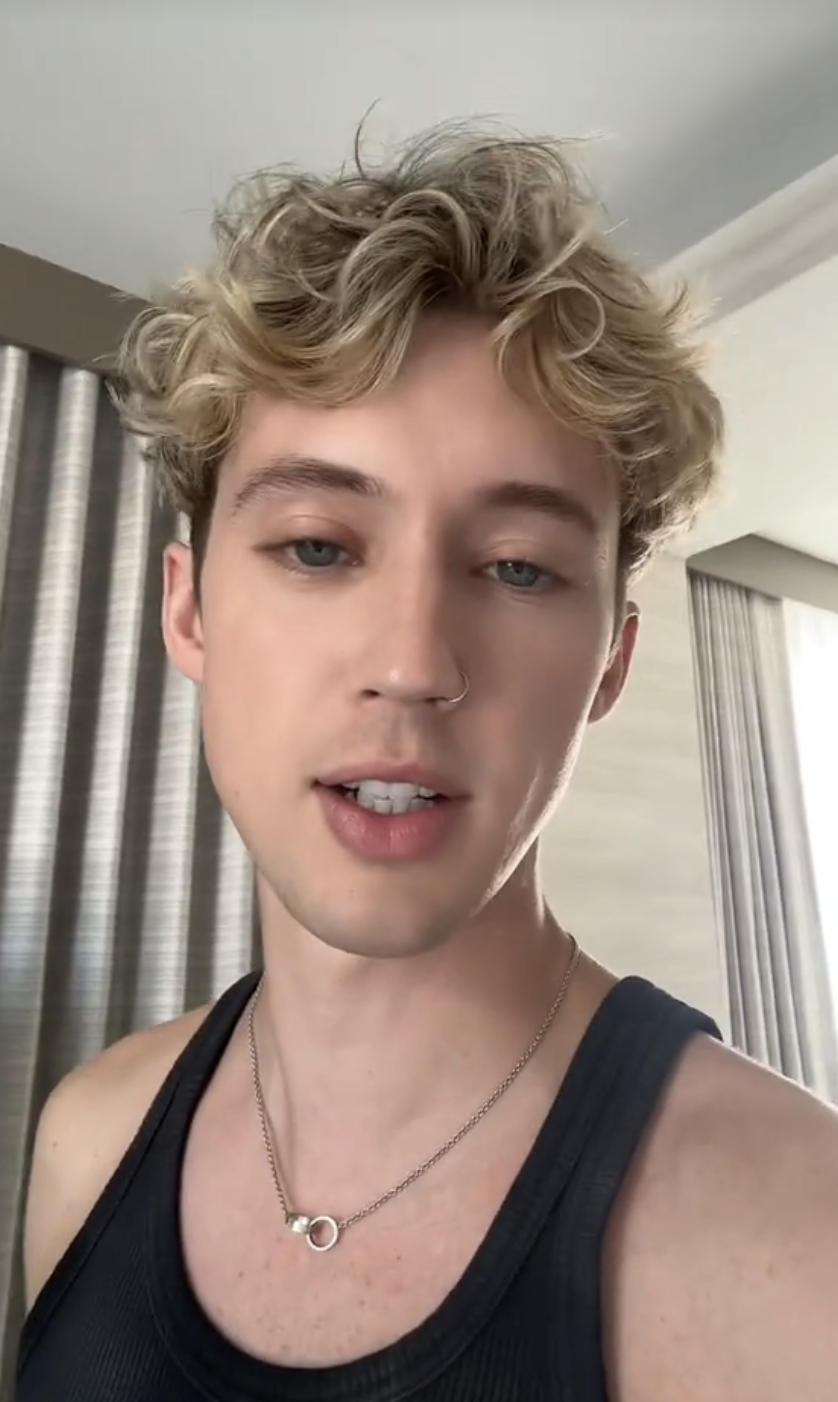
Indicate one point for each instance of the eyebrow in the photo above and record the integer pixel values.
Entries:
(542, 499)
(286, 475)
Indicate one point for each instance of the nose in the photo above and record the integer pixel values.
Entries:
(414, 649)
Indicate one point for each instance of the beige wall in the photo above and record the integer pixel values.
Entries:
(626, 860)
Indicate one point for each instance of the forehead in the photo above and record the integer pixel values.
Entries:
(448, 426)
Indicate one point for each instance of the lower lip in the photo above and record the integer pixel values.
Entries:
(389, 837)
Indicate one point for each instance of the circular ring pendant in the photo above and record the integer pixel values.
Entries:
(323, 1233)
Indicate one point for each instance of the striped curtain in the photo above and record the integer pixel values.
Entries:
(126, 896)
(781, 1010)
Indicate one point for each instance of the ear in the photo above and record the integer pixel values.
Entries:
(615, 676)
(181, 616)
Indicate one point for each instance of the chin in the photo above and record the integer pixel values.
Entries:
(384, 944)
(387, 928)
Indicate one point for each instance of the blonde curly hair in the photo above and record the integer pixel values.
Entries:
(318, 284)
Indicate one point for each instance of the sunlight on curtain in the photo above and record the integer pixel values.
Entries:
(781, 1009)
(813, 658)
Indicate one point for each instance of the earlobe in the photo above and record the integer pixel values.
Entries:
(181, 618)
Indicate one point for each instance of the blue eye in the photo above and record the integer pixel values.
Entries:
(520, 574)
(315, 554)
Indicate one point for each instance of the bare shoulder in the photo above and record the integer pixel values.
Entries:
(722, 1259)
(85, 1128)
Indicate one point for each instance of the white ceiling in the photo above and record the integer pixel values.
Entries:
(775, 364)
(121, 124)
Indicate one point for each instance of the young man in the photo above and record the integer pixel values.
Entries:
(427, 427)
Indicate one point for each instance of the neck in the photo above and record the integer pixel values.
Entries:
(370, 1050)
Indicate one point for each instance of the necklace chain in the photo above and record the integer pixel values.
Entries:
(323, 1232)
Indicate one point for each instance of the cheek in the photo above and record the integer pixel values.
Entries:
(550, 693)
(560, 674)
(248, 647)
(555, 728)
(248, 704)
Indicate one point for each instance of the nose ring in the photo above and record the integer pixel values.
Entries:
(455, 700)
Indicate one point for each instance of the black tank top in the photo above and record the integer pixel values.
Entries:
(118, 1322)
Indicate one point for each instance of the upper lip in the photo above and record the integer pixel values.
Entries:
(422, 775)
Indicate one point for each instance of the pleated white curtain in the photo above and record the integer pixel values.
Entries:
(126, 895)
(813, 653)
(780, 1005)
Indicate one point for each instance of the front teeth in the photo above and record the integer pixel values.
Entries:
(381, 797)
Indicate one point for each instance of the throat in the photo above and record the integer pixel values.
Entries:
(399, 1054)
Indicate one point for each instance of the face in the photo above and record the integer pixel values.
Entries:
(361, 561)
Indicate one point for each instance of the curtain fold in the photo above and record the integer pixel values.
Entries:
(781, 1010)
(126, 895)
(813, 653)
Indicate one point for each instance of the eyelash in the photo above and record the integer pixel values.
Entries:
(547, 580)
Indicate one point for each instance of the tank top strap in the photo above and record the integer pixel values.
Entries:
(618, 1078)
(187, 1079)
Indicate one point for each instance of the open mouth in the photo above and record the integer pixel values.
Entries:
(389, 798)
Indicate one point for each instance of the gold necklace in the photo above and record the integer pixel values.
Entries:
(322, 1232)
